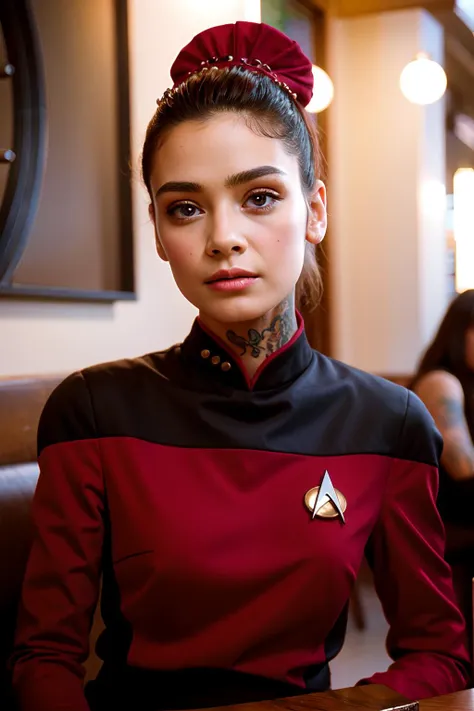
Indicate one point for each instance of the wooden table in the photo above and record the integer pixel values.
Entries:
(361, 698)
(462, 701)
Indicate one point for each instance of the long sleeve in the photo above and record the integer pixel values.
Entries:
(61, 583)
(406, 552)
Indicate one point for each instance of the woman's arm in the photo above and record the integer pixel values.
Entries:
(406, 552)
(443, 395)
(61, 583)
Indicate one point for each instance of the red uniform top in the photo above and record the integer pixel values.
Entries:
(184, 485)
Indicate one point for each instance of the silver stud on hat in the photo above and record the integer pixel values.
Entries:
(213, 61)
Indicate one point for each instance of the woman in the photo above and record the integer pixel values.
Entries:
(445, 382)
(227, 488)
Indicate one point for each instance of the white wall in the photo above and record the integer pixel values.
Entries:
(60, 337)
(387, 231)
(386, 168)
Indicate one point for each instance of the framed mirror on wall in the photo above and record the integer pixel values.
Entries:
(66, 212)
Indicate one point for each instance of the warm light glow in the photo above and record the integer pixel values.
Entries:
(423, 81)
(464, 9)
(433, 197)
(252, 11)
(463, 221)
(323, 91)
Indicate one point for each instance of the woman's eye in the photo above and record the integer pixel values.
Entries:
(184, 211)
(262, 201)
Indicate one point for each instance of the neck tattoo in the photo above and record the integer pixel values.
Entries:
(268, 340)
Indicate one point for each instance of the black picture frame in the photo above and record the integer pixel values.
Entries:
(21, 196)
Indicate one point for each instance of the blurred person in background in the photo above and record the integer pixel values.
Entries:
(445, 382)
(226, 489)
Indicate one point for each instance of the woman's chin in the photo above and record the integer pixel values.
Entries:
(237, 309)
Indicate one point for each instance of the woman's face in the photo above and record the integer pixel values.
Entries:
(228, 199)
(470, 347)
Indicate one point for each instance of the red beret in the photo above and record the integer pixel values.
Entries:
(254, 45)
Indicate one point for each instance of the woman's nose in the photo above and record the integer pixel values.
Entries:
(225, 237)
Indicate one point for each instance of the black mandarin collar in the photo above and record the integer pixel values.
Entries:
(206, 356)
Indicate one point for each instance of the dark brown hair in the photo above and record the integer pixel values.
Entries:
(269, 111)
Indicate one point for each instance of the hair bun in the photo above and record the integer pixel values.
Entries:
(258, 47)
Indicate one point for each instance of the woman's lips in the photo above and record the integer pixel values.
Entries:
(235, 284)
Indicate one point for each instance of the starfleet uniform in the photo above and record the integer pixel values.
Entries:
(183, 483)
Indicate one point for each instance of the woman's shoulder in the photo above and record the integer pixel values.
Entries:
(77, 386)
(388, 411)
(81, 401)
(436, 383)
(98, 378)
(368, 387)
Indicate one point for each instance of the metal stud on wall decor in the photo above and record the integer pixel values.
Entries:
(24, 160)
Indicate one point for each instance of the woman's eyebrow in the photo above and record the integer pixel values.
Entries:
(231, 182)
(247, 175)
(178, 187)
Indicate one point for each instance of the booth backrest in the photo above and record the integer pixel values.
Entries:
(21, 402)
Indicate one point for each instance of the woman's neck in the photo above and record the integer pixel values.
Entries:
(254, 341)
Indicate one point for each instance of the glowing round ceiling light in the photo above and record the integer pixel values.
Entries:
(323, 91)
(423, 81)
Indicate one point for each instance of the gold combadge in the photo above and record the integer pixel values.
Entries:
(325, 501)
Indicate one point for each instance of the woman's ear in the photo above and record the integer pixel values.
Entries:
(158, 243)
(317, 215)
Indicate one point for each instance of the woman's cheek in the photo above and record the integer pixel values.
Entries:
(179, 250)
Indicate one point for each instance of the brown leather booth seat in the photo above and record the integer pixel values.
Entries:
(17, 485)
(21, 402)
